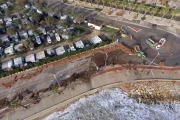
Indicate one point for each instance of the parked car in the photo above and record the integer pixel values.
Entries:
(57, 37)
(38, 40)
(49, 39)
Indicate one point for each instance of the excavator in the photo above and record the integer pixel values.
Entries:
(140, 53)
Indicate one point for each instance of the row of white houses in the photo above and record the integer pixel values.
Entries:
(31, 58)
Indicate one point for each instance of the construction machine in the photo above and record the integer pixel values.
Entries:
(141, 54)
(137, 49)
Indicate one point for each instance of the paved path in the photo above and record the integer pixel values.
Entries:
(101, 79)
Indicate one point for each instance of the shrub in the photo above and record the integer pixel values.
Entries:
(54, 90)
(14, 104)
(109, 12)
(143, 18)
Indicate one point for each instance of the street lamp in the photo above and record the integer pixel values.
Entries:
(56, 80)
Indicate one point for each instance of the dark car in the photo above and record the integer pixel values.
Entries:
(154, 25)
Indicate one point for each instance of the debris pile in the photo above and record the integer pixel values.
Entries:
(8, 85)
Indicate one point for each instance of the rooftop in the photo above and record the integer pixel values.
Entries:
(18, 61)
(30, 58)
(95, 23)
(96, 40)
(79, 44)
(16, 47)
(40, 55)
(8, 50)
(7, 64)
(60, 50)
(50, 51)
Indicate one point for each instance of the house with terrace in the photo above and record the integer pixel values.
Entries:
(7, 65)
(40, 55)
(94, 24)
(18, 62)
(60, 50)
(30, 58)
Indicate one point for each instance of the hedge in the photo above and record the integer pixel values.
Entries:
(48, 60)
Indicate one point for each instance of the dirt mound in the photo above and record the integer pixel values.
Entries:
(8, 85)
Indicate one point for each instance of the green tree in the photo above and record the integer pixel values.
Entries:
(2, 26)
(73, 13)
(104, 1)
(111, 37)
(28, 43)
(67, 11)
(98, 1)
(36, 17)
(50, 22)
(124, 3)
(173, 12)
(146, 9)
(58, 11)
(7, 12)
(31, 25)
(154, 11)
(21, 3)
(35, 31)
(140, 7)
(116, 3)
(164, 11)
(110, 2)
(131, 5)
(14, 104)
(21, 48)
(11, 30)
(54, 90)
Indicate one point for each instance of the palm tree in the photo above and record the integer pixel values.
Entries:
(110, 2)
(116, 3)
(112, 37)
(98, 1)
(147, 9)
(104, 1)
(164, 11)
(173, 12)
(36, 17)
(140, 7)
(172, 2)
(131, 5)
(124, 4)
(154, 11)
(54, 90)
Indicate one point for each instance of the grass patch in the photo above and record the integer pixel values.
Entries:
(109, 30)
(38, 47)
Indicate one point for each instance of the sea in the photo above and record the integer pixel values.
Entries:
(115, 105)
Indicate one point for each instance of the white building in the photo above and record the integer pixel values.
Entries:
(49, 39)
(8, 23)
(30, 58)
(3, 6)
(9, 50)
(13, 37)
(27, 6)
(30, 33)
(4, 38)
(40, 55)
(60, 50)
(7, 19)
(7, 65)
(42, 30)
(96, 40)
(40, 12)
(10, 4)
(94, 24)
(72, 47)
(65, 36)
(18, 61)
(64, 17)
(24, 21)
(16, 47)
(23, 34)
(57, 37)
(50, 51)
(79, 44)
(38, 40)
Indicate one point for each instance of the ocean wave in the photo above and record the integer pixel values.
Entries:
(115, 105)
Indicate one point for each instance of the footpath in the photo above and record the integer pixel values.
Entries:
(172, 26)
(103, 80)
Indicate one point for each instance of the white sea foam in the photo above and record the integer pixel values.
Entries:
(115, 105)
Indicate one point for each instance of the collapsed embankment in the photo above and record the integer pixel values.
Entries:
(104, 49)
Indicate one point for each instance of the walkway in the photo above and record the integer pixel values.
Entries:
(49, 104)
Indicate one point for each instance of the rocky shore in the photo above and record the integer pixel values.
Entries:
(156, 92)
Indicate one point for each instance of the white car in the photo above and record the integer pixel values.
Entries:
(57, 37)
(38, 40)
(49, 39)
